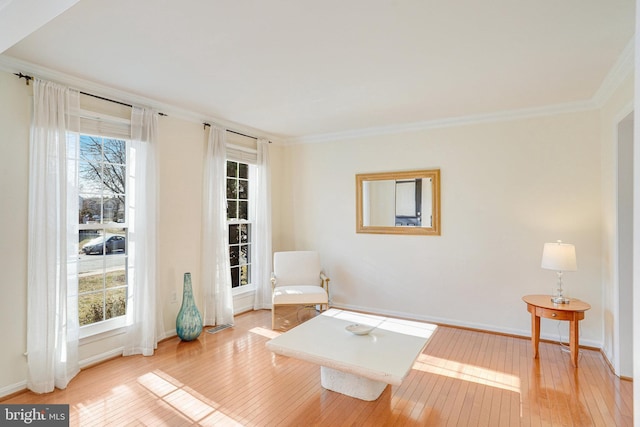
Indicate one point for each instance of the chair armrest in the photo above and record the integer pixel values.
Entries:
(273, 281)
(325, 281)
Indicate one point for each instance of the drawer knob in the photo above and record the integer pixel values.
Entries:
(554, 314)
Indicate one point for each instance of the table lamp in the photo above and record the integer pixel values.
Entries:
(560, 257)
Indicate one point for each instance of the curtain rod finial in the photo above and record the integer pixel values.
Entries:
(24, 76)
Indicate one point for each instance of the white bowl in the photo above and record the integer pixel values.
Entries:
(359, 329)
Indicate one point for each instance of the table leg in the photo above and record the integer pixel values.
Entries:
(535, 332)
(350, 384)
(573, 341)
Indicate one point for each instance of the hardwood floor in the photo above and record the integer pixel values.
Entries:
(463, 378)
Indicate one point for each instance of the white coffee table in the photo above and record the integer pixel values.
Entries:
(360, 366)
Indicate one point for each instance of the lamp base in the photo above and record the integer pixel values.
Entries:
(560, 300)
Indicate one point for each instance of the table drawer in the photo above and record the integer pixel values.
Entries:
(554, 314)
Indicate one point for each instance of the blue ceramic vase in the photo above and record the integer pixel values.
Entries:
(189, 321)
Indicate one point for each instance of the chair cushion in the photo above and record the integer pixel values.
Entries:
(299, 295)
(297, 268)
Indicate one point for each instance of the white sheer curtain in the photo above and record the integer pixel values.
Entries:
(263, 229)
(52, 310)
(216, 270)
(143, 322)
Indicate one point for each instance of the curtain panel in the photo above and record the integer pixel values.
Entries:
(52, 316)
(216, 269)
(263, 229)
(144, 322)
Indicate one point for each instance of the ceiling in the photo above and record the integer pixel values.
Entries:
(294, 69)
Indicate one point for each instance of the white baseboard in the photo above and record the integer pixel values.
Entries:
(101, 357)
(13, 388)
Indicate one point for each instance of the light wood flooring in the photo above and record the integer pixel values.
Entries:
(463, 378)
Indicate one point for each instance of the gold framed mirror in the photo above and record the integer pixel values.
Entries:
(406, 202)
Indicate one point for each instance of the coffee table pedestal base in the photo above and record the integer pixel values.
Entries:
(350, 384)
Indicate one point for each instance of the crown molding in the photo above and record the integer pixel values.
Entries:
(618, 73)
(622, 68)
(14, 65)
(499, 116)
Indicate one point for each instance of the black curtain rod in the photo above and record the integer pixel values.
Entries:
(29, 78)
(24, 76)
(233, 131)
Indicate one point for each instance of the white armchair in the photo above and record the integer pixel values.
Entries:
(297, 279)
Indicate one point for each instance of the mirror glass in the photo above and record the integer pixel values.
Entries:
(398, 202)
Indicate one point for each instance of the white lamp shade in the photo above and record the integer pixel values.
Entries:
(559, 256)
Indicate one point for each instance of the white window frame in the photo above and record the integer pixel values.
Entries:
(115, 324)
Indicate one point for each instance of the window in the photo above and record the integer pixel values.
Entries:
(102, 230)
(240, 222)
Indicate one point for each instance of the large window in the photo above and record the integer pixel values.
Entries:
(102, 229)
(240, 222)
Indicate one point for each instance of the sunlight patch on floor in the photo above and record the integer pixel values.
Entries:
(185, 401)
(465, 372)
(158, 386)
(268, 333)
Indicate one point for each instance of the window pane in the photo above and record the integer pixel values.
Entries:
(117, 274)
(114, 178)
(244, 275)
(243, 170)
(232, 209)
(116, 303)
(244, 255)
(89, 178)
(243, 209)
(115, 151)
(232, 188)
(234, 255)
(90, 209)
(116, 243)
(235, 277)
(243, 189)
(90, 308)
(90, 148)
(232, 169)
(90, 276)
(244, 233)
(234, 230)
(113, 209)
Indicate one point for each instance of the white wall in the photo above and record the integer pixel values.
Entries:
(181, 156)
(507, 188)
(15, 106)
